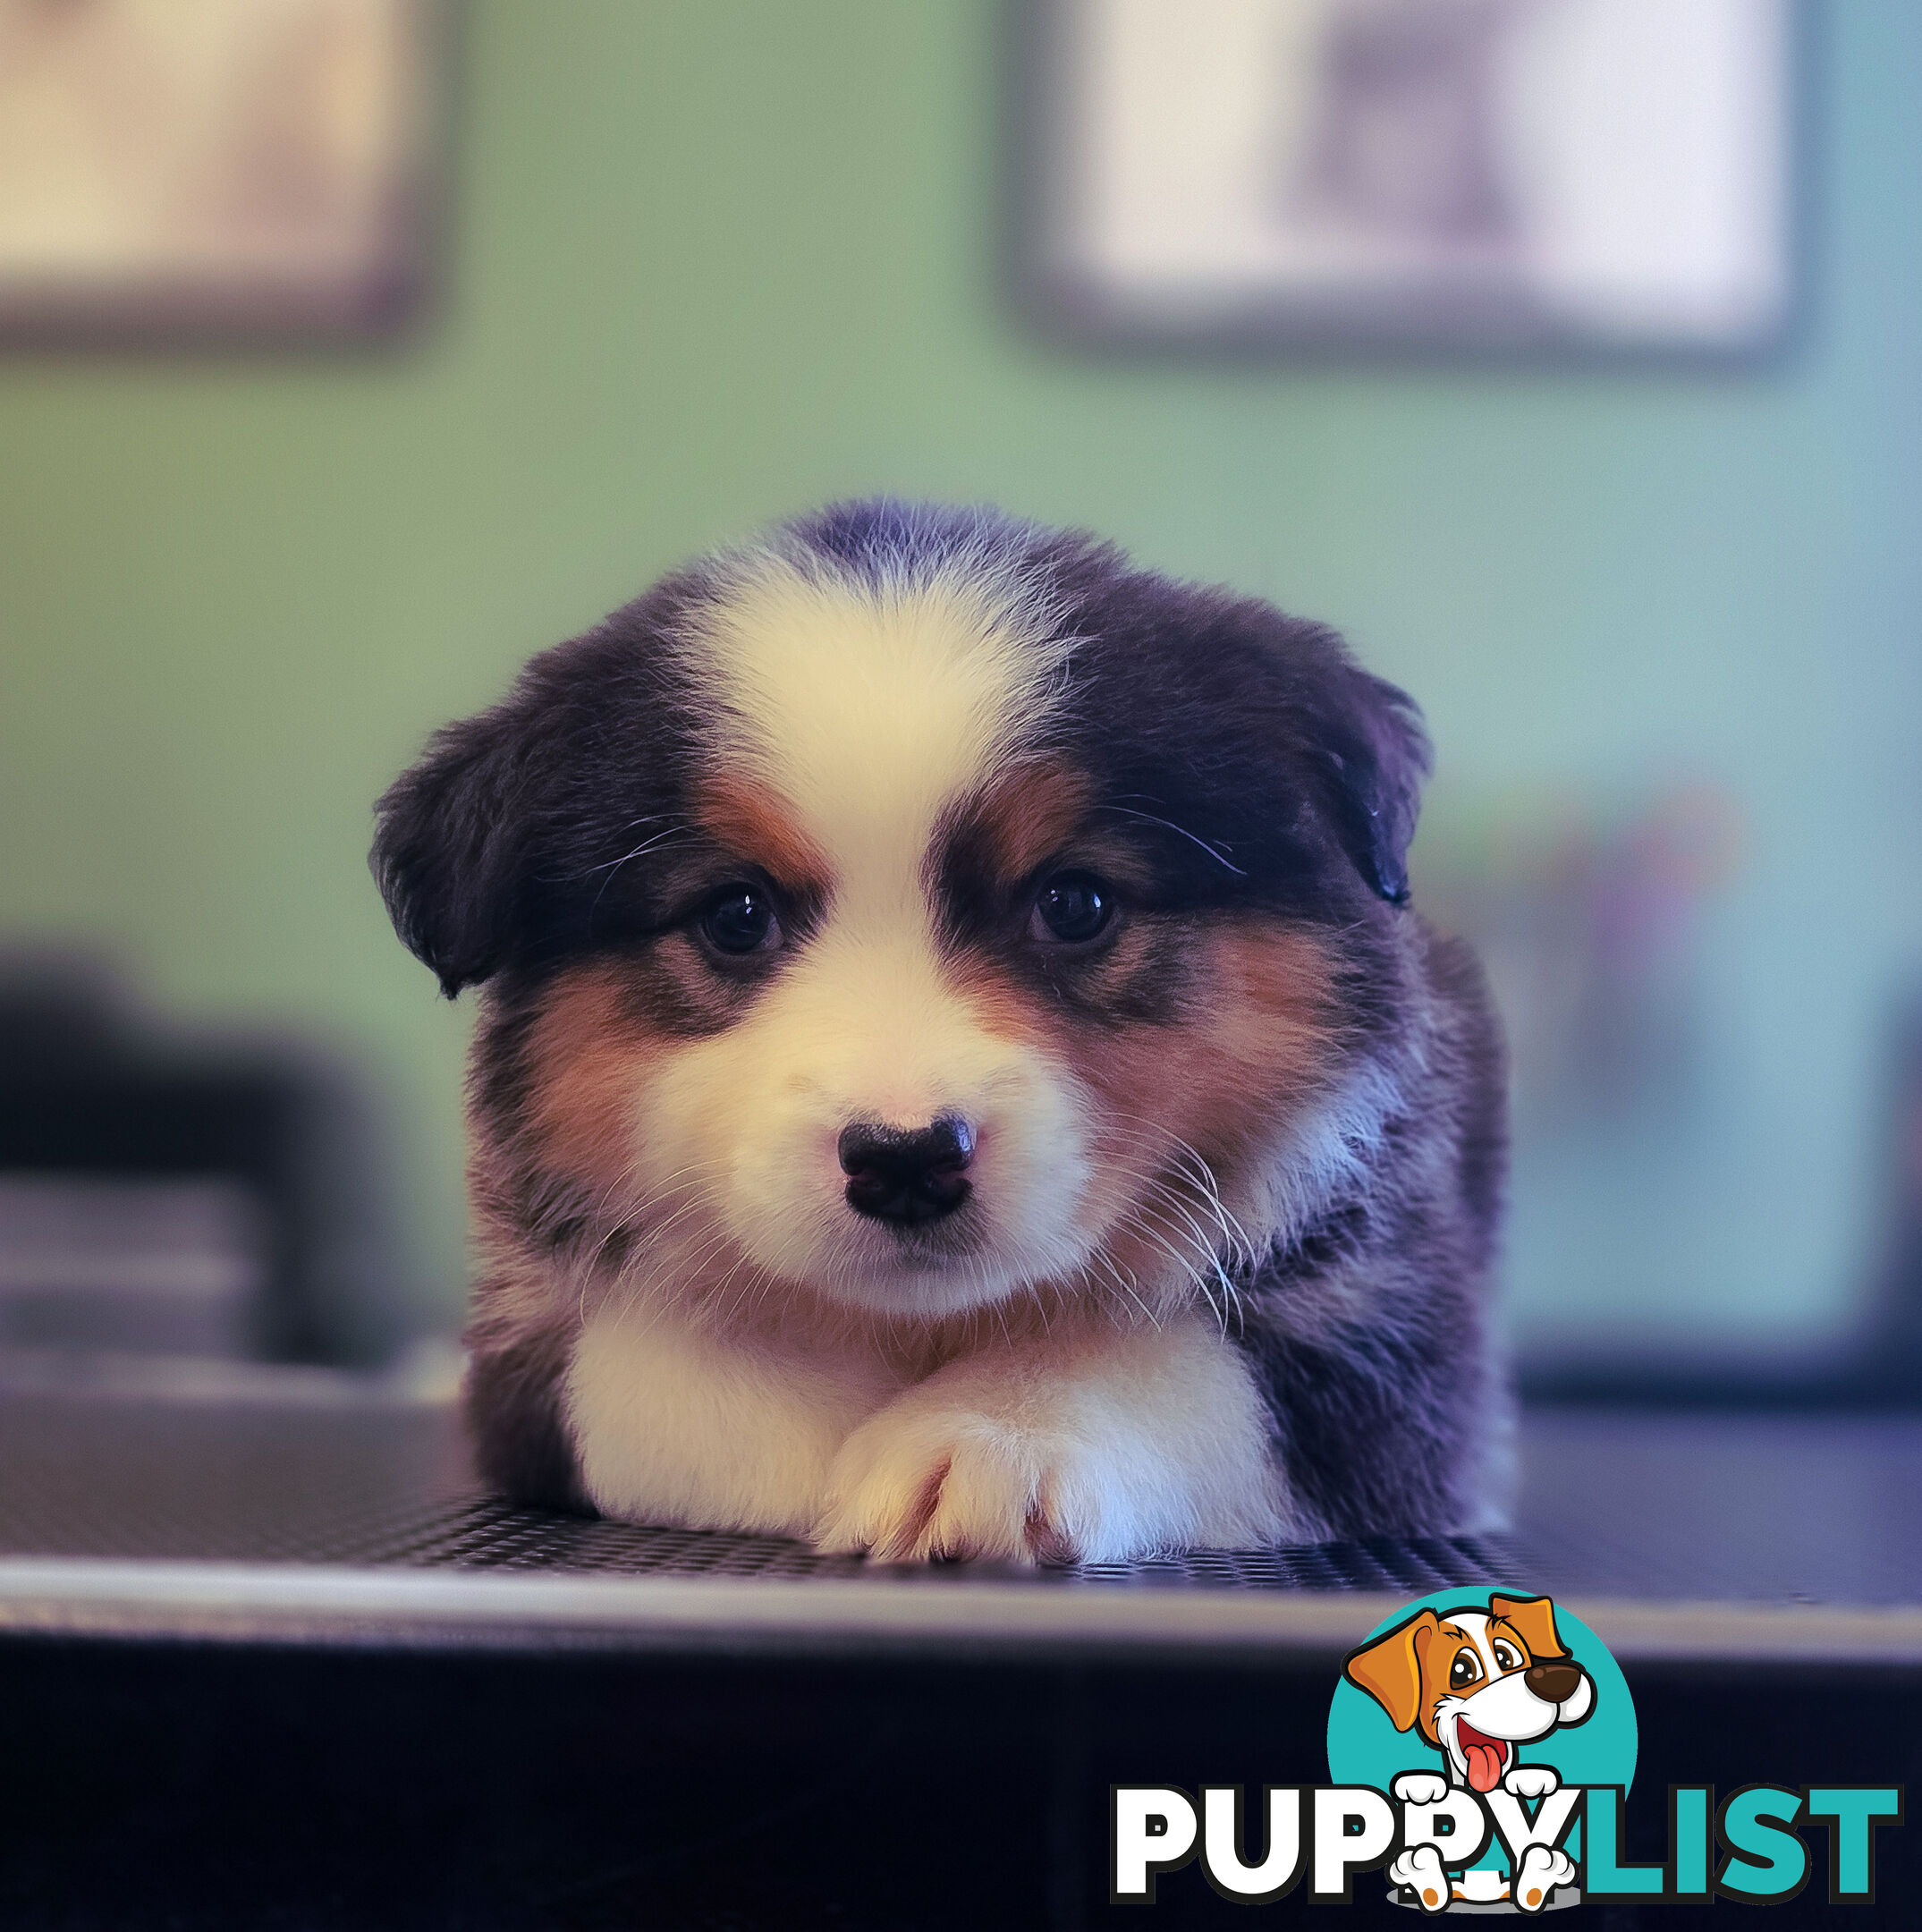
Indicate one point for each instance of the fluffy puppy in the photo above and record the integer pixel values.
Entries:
(958, 1073)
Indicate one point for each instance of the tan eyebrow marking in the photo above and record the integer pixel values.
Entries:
(1030, 813)
(759, 824)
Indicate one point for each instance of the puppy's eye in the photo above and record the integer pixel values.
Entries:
(1072, 909)
(739, 920)
(1506, 1657)
(1464, 1670)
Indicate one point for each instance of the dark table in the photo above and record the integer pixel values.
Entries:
(267, 1658)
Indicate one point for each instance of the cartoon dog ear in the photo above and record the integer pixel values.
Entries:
(1378, 754)
(448, 852)
(1389, 1669)
(1534, 1618)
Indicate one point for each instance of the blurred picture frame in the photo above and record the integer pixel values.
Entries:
(1595, 178)
(225, 171)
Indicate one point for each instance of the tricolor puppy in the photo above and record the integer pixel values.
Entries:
(958, 1073)
(1476, 1683)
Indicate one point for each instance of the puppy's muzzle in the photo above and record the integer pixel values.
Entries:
(907, 1176)
(1553, 1683)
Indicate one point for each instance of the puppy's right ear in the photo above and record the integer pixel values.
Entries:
(449, 852)
(1389, 1669)
(1379, 751)
(1533, 1619)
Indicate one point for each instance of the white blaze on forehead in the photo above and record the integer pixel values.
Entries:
(1474, 1625)
(871, 708)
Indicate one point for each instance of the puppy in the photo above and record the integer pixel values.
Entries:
(1475, 1683)
(958, 1073)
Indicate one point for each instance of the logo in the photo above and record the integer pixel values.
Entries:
(1486, 1719)
(1481, 1747)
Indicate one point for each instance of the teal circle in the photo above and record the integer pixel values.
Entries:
(1364, 1747)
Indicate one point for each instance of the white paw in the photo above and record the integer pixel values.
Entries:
(1420, 1787)
(1542, 1867)
(1531, 1781)
(1420, 1870)
(917, 1482)
(1088, 1451)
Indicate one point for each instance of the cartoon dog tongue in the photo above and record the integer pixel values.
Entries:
(1484, 1755)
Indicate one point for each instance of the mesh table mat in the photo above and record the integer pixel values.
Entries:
(1788, 1510)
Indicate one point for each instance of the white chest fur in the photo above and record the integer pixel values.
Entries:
(1097, 1443)
(676, 1424)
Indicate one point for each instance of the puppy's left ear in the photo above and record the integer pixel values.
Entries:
(1389, 1669)
(1378, 755)
(1534, 1618)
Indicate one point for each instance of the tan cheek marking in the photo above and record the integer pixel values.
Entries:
(587, 1055)
(1254, 1044)
(758, 824)
(1257, 1046)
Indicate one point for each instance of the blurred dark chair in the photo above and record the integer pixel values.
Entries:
(188, 1196)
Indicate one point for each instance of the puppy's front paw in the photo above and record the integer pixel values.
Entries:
(1531, 1781)
(1420, 1870)
(919, 1482)
(1079, 1447)
(1420, 1787)
(1542, 1867)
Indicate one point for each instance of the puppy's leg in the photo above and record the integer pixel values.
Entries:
(1098, 1444)
(675, 1424)
(514, 1410)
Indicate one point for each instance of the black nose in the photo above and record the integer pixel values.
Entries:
(1553, 1683)
(907, 1176)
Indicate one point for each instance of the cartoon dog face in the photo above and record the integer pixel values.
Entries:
(1476, 1683)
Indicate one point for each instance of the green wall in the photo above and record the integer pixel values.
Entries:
(713, 260)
